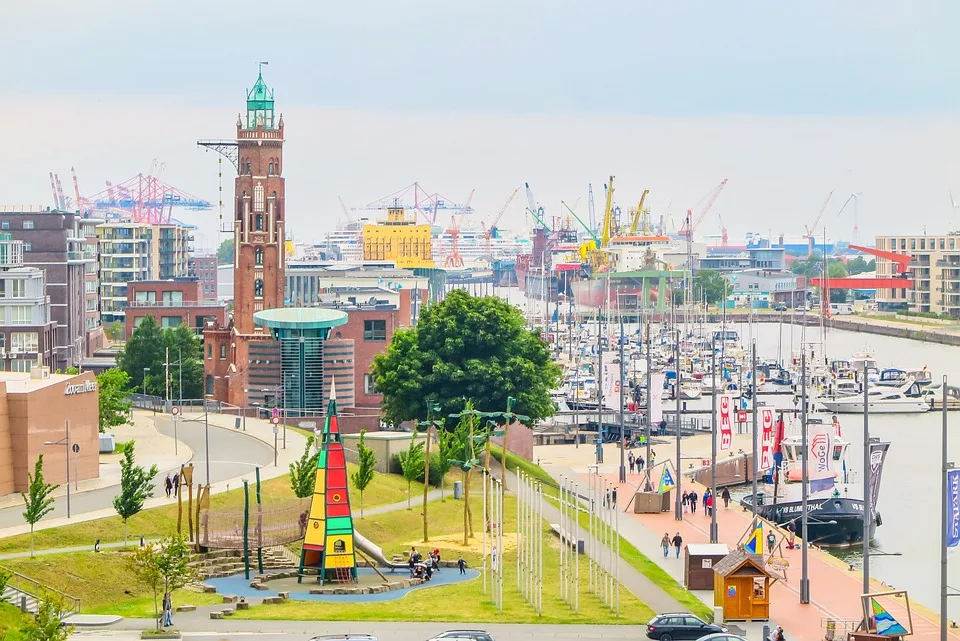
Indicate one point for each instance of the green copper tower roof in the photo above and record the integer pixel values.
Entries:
(261, 96)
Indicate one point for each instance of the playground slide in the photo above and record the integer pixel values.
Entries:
(375, 552)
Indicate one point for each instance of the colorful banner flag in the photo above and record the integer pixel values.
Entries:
(725, 421)
(655, 394)
(766, 440)
(612, 379)
(953, 508)
(822, 477)
(754, 544)
(666, 481)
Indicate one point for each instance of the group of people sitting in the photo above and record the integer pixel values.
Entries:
(421, 568)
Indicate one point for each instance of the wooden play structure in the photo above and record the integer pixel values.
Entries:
(741, 586)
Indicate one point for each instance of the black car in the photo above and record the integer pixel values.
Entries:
(680, 625)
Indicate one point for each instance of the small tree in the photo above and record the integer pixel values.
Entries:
(303, 473)
(37, 500)
(136, 486)
(367, 461)
(163, 567)
(48, 624)
(411, 463)
(114, 386)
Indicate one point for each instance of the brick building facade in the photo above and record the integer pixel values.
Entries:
(172, 303)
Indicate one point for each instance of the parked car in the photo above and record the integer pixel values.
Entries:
(344, 637)
(722, 637)
(464, 635)
(680, 626)
(803, 308)
(781, 307)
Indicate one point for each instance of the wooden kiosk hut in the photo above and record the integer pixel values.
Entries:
(741, 586)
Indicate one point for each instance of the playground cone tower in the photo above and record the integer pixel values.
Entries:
(328, 545)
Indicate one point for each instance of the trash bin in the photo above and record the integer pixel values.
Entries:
(458, 490)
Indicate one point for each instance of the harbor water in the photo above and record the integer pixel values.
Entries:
(906, 550)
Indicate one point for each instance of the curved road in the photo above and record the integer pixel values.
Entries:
(232, 454)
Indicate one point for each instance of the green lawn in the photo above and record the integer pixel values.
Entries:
(10, 618)
(162, 521)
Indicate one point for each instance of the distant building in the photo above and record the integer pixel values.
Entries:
(934, 282)
(732, 259)
(27, 333)
(204, 269)
(766, 289)
(131, 251)
(172, 302)
(58, 243)
(399, 240)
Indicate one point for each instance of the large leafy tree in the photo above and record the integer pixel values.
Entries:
(710, 284)
(466, 348)
(225, 252)
(148, 348)
(114, 386)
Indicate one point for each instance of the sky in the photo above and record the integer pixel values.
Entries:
(788, 101)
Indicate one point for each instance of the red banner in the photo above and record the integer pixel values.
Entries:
(725, 421)
(766, 440)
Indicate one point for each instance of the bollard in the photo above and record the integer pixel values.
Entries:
(458, 490)
(766, 632)
(23, 603)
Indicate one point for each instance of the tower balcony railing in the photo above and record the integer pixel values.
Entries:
(260, 134)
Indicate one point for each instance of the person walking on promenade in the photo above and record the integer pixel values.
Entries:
(631, 461)
(665, 544)
(725, 495)
(706, 495)
(461, 565)
(167, 610)
(614, 497)
(168, 485)
(692, 497)
(640, 464)
(677, 542)
(684, 500)
(176, 484)
(709, 505)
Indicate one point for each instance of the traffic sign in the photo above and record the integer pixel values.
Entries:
(175, 411)
(76, 448)
(275, 429)
(275, 420)
(276, 412)
(741, 416)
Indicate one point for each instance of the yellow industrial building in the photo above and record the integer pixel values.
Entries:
(399, 240)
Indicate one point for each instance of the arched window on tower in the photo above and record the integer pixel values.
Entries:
(270, 169)
(258, 202)
(258, 256)
(258, 288)
(258, 222)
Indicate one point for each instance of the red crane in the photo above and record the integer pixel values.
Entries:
(491, 230)
(690, 224)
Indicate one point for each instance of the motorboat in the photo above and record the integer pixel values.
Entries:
(933, 395)
(892, 377)
(906, 399)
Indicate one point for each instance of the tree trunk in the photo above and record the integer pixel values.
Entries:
(361, 504)
(31, 540)
(124, 533)
(486, 500)
(426, 485)
(408, 495)
(466, 508)
(156, 610)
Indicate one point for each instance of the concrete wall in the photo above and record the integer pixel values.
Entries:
(385, 445)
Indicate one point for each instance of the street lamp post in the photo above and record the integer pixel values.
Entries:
(145, 370)
(206, 435)
(282, 392)
(804, 572)
(623, 445)
(65, 441)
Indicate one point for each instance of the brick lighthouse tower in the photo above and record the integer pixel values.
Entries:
(240, 351)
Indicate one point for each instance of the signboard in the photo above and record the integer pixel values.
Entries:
(725, 422)
(275, 420)
(612, 380)
(80, 388)
(741, 416)
(175, 411)
(953, 505)
(822, 477)
(706, 564)
(276, 412)
(655, 398)
(878, 453)
(766, 439)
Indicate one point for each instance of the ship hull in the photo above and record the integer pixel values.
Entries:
(831, 522)
(592, 292)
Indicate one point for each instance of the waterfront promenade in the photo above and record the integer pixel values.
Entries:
(834, 589)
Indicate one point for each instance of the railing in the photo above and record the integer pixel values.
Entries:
(206, 302)
(24, 586)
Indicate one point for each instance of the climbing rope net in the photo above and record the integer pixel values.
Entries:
(275, 523)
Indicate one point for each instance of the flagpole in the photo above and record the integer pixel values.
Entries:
(944, 467)
(805, 570)
(754, 398)
(867, 508)
(714, 534)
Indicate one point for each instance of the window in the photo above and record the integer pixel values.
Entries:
(173, 298)
(3, 341)
(170, 321)
(258, 288)
(21, 365)
(258, 222)
(21, 315)
(24, 342)
(137, 321)
(28, 224)
(146, 297)
(28, 247)
(369, 384)
(5, 224)
(258, 256)
(374, 330)
(223, 351)
(209, 350)
(18, 288)
(208, 386)
(270, 169)
(258, 204)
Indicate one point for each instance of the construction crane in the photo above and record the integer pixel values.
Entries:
(592, 233)
(346, 212)
(534, 209)
(723, 232)
(57, 204)
(638, 215)
(454, 259)
(591, 210)
(491, 231)
(812, 228)
(855, 197)
(691, 224)
(606, 230)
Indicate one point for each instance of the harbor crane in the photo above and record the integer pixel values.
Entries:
(492, 231)
(690, 224)
(454, 259)
(812, 228)
(638, 215)
(534, 209)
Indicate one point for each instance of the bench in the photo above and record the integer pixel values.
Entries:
(568, 538)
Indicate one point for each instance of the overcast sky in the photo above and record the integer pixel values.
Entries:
(786, 100)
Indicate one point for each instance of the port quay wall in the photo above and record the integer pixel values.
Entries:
(927, 335)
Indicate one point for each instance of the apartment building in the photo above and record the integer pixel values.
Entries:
(934, 281)
(27, 333)
(132, 251)
(172, 302)
(204, 269)
(55, 242)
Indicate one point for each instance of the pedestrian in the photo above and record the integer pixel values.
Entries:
(653, 458)
(684, 500)
(176, 484)
(791, 535)
(677, 542)
(640, 464)
(692, 497)
(663, 427)
(631, 461)
(725, 495)
(778, 634)
(168, 485)
(709, 506)
(461, 564)
(706, 495)
(96, 545)
(614, 497)
(665, 544)
(167, 610)
(436, 559)
(771, 541)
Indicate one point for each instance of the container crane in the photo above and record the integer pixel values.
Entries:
(454, 259)
(638, 215)
(811, 229)
(491, 231)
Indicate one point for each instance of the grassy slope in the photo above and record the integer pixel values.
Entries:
(10, 618)
(162, 521)
(628, 552)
